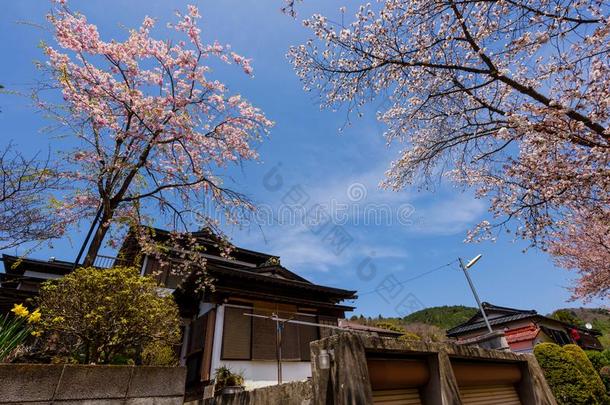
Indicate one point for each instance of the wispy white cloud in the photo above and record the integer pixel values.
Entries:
(449, 215)
(440, 214)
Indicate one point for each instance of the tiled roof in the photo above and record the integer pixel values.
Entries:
(498, 315)
(522, 334)
(465, 327)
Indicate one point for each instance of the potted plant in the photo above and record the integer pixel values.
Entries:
(228, 382)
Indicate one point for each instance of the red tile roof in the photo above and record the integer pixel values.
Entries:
(521, 334)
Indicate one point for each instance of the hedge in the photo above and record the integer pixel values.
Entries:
(570, 375)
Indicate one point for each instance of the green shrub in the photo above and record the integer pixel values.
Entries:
(389, 326)
(570, 375)
(582, 362)
(409, 336)
(604, 373)
(159, 354)
(106, 316)
(567, 316)
(598, 359)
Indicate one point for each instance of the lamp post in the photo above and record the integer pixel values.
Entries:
(474, 292)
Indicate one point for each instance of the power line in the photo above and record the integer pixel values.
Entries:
(418, 276)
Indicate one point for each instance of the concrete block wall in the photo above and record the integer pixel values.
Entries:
(65, 384)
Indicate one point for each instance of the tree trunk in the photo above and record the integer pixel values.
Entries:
(98, 239)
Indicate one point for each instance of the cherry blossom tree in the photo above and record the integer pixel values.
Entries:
(510, 97)
(153, 130)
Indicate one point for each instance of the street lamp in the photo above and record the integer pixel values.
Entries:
(474, 292)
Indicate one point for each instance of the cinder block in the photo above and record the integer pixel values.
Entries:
(94, 382)
(28, 382)
(157, 381)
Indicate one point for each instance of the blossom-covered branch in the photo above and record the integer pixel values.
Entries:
(153, 128)
(508, 96)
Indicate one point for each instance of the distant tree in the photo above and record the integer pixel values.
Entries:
(25, 189)
(395, 327)
(389, 326)
(427, 333)
(153, 129)
(509, 97)
(565, 315)
(444, 317)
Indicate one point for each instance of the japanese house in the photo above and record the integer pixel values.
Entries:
(524, 329)
(219, 328)
(22, 278)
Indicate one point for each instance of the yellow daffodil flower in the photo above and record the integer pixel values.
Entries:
(20, 310)
(34, 316)
(36, 333)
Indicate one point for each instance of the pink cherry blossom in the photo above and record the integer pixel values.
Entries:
(153, 129)
(509, 97)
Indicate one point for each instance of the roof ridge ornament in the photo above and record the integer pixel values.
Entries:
(272, 261)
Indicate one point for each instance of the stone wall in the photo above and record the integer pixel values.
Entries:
(294, 393)
(94, 385)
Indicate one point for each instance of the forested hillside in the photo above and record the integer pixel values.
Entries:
(432, 323)
(445, 317)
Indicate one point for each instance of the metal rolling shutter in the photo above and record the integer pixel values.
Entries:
(505, 394)
(409, 396)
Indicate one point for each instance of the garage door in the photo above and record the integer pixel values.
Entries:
(490, 395)
(409, 396)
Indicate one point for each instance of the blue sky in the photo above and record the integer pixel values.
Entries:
(314, 161)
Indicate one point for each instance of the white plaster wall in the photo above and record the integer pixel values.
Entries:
(217, 345)
(256, 373)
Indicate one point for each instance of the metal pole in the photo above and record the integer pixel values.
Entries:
(476, 296)
(280, 325)
(86, 241)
